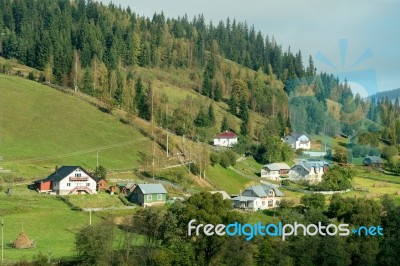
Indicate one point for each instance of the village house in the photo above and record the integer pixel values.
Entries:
(67, 180)
(101, 183)
(274, 171)
(298, 141)
(258, 197)
(226, 139)
(148, 194)
(374, 161)
(311, 171)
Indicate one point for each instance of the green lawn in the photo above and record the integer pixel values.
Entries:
(101, 200)
(45, 219)
(261, 216)
(227, 179)
(41, 127)
(249, 166)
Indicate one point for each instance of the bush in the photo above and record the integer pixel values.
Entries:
(224, 160)
(125, 201)
(227, 158)
(285, 182)
(337, 178)
(389, 151)
(340, 155)
(314, 200)
(31, 76)
(214, 158)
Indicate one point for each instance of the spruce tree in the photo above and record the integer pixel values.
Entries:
(224, 124)
(211, 115)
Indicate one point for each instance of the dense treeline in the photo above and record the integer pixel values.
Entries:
(158, 236)
(97, 49)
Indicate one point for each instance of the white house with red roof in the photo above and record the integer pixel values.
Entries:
(68, 180)
(226, 139)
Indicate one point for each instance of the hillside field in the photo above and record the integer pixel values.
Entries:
(41, 127)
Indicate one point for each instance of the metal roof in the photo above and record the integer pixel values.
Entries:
(374, 159)
(309, 164)
(277, 166)
(263, 190)
(226, 135)
(62, 172)
(152, 188)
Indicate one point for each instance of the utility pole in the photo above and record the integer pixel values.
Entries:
(152, 126)
(167, 130)
(167, 145)
(2, 240)
(97, 161)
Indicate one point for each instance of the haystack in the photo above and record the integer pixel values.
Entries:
(23, 241)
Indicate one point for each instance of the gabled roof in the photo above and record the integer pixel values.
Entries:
(226, 135)
(276, 166)
(263, 190)
(374, 159)
(309, 164)
(62, 172)
(152, 188)
(297, 135)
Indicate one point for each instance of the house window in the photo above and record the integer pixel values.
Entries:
(68, 184)
(149, 197)
(159, 196)
(270, 203)
(263, 202)
(88, 184)
(78, 174)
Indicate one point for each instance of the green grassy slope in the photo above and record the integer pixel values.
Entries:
(51, 224)
(41, 127)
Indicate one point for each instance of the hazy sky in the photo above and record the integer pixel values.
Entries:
(361, 39)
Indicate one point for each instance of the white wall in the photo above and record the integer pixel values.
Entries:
(63, 188)
(227, 142)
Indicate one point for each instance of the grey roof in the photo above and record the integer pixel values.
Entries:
(297, 135)
(152, 188)
(244, 198)
(263, 190)
(276, 166)
(130, 185)
(374, 159)
(309, 164)
(61, 173)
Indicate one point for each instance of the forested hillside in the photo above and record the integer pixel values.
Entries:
(104, 51)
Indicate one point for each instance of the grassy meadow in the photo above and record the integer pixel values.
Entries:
(46, 220)
(41, 127)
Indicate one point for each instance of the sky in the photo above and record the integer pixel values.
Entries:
(359, 40)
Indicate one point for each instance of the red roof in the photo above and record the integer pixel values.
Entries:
(227, 135)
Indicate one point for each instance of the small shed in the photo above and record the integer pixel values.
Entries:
(148, 194)
(374, 161)
(101, 184)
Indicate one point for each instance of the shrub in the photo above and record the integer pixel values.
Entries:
(227, 158)
(214, 158)
(389, 151)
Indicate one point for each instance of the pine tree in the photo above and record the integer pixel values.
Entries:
(244, 110)
(232, 106)
(224, 124)
(211, 115)
(206, 89)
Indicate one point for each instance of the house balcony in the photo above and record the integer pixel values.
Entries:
(81, 188)
(78, 179)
